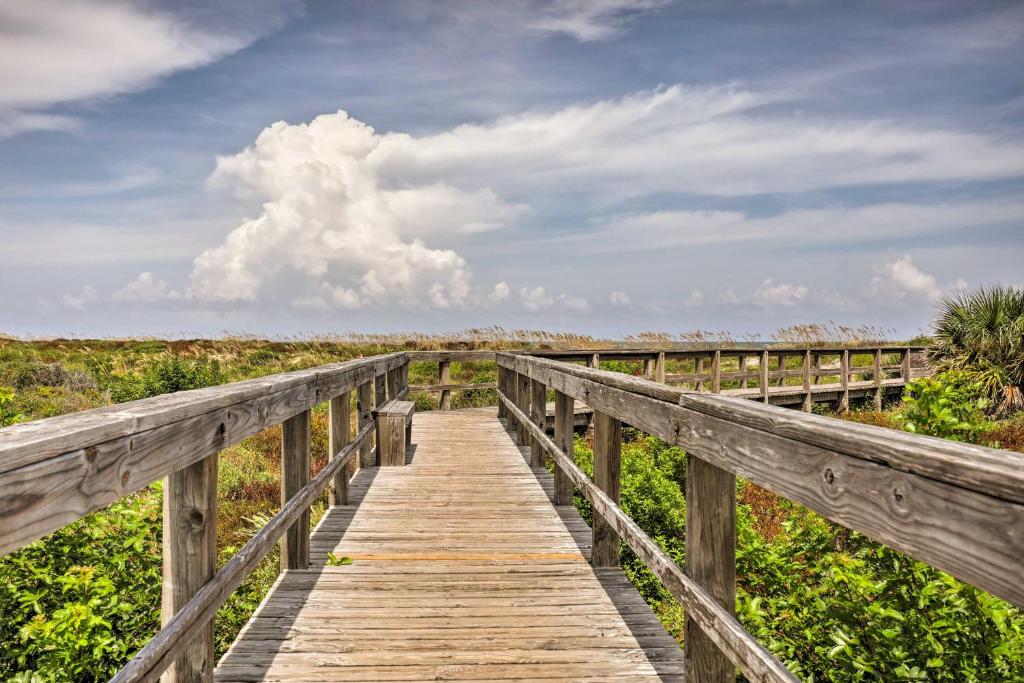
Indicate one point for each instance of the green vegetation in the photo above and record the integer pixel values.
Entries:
(829, 602)
(981, 333)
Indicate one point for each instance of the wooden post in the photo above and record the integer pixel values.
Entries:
(878, 379)
(607, 456)
(340, 420)
(649, 367)
(295, 439)
(444, 374)
(710, 561)
(538, 415)
(764, 376)
(844, 381)
(502, 390)
(659, 368)
(364, 415)
(189, 560)
(595, 361)
(380, 390)
(564, 406)
(716, 372)
(782, 368)
(808, 399)
(523, 394)
(741, 365)
(815, 365)
(905, 366)
(698, 370)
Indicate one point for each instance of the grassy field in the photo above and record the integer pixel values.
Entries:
(836, 606)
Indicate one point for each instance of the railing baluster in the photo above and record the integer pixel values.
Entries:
(295, 438)
(607, 462)
(502, 389)
(905, 366)
(844, 381)
(523, 396)
(764, 376)
(741, 365)
(364, 416)
(716, 372)
(659, 368)
(710, 561)
(538, 414)
(698, 370)
(564, 409)
(808, 398)
(444, 376)
(340, 420)
(189, 559)
(878, 379)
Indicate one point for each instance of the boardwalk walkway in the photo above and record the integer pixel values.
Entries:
(462, 570)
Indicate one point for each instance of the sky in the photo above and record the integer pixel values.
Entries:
(287, 168)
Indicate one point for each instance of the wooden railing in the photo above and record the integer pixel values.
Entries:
(955, 506)
(54, 471)
(825, 373)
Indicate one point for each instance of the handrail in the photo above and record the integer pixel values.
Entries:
(158, 653)
(955, 506)
(743, 650)
(55, 471)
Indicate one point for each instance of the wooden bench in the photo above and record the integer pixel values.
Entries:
(394, 431)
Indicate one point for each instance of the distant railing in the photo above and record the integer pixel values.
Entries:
(55, 471)
(887, 368)
(955, 506)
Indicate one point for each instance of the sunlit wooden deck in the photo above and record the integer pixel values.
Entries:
(462, 570)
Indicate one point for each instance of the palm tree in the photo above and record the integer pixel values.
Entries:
(982, 334)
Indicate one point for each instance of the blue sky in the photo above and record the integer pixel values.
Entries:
(607, 167)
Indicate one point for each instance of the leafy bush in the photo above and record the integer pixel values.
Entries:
(8, 413)
(80, 602)
(164, 376)
(981, 333)
(948, 405)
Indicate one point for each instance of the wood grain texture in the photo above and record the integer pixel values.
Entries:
(710, 562)
(54, 471)
(364, 419)
(607, 466)
(448, 588)
(295, 439)
(168, 643)
(538, 414)
(189, 560)
(935, 500)
(444, 370)
(563, 429)
(340, 433)
(743, 650)
(394, 419)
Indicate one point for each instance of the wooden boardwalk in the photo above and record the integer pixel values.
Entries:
(462, 570)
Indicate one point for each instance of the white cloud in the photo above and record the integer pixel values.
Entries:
(900, 279)
(66, 50)
(769, 293)
(500, 293)
(695, 300)
(577, 304)
(79, 301)
(145, 288)
(619, 299)
(535, 299)
(833, 225)
(590, 20)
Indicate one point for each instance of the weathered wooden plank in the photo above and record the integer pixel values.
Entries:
(339, 434)
(607, 465)
(564, 408)
(295, 440)
(538, 413)
(729, 635)
(169, 641)
(917, 494)
(449, 356)
(189, 560)
(452, 387)
(444, 370)
(364, 419)
(109, 454)
(710, 561)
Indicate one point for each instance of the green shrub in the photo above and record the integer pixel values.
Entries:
(949, 405)
(981, 333)
(8, 413)
(77, 604)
